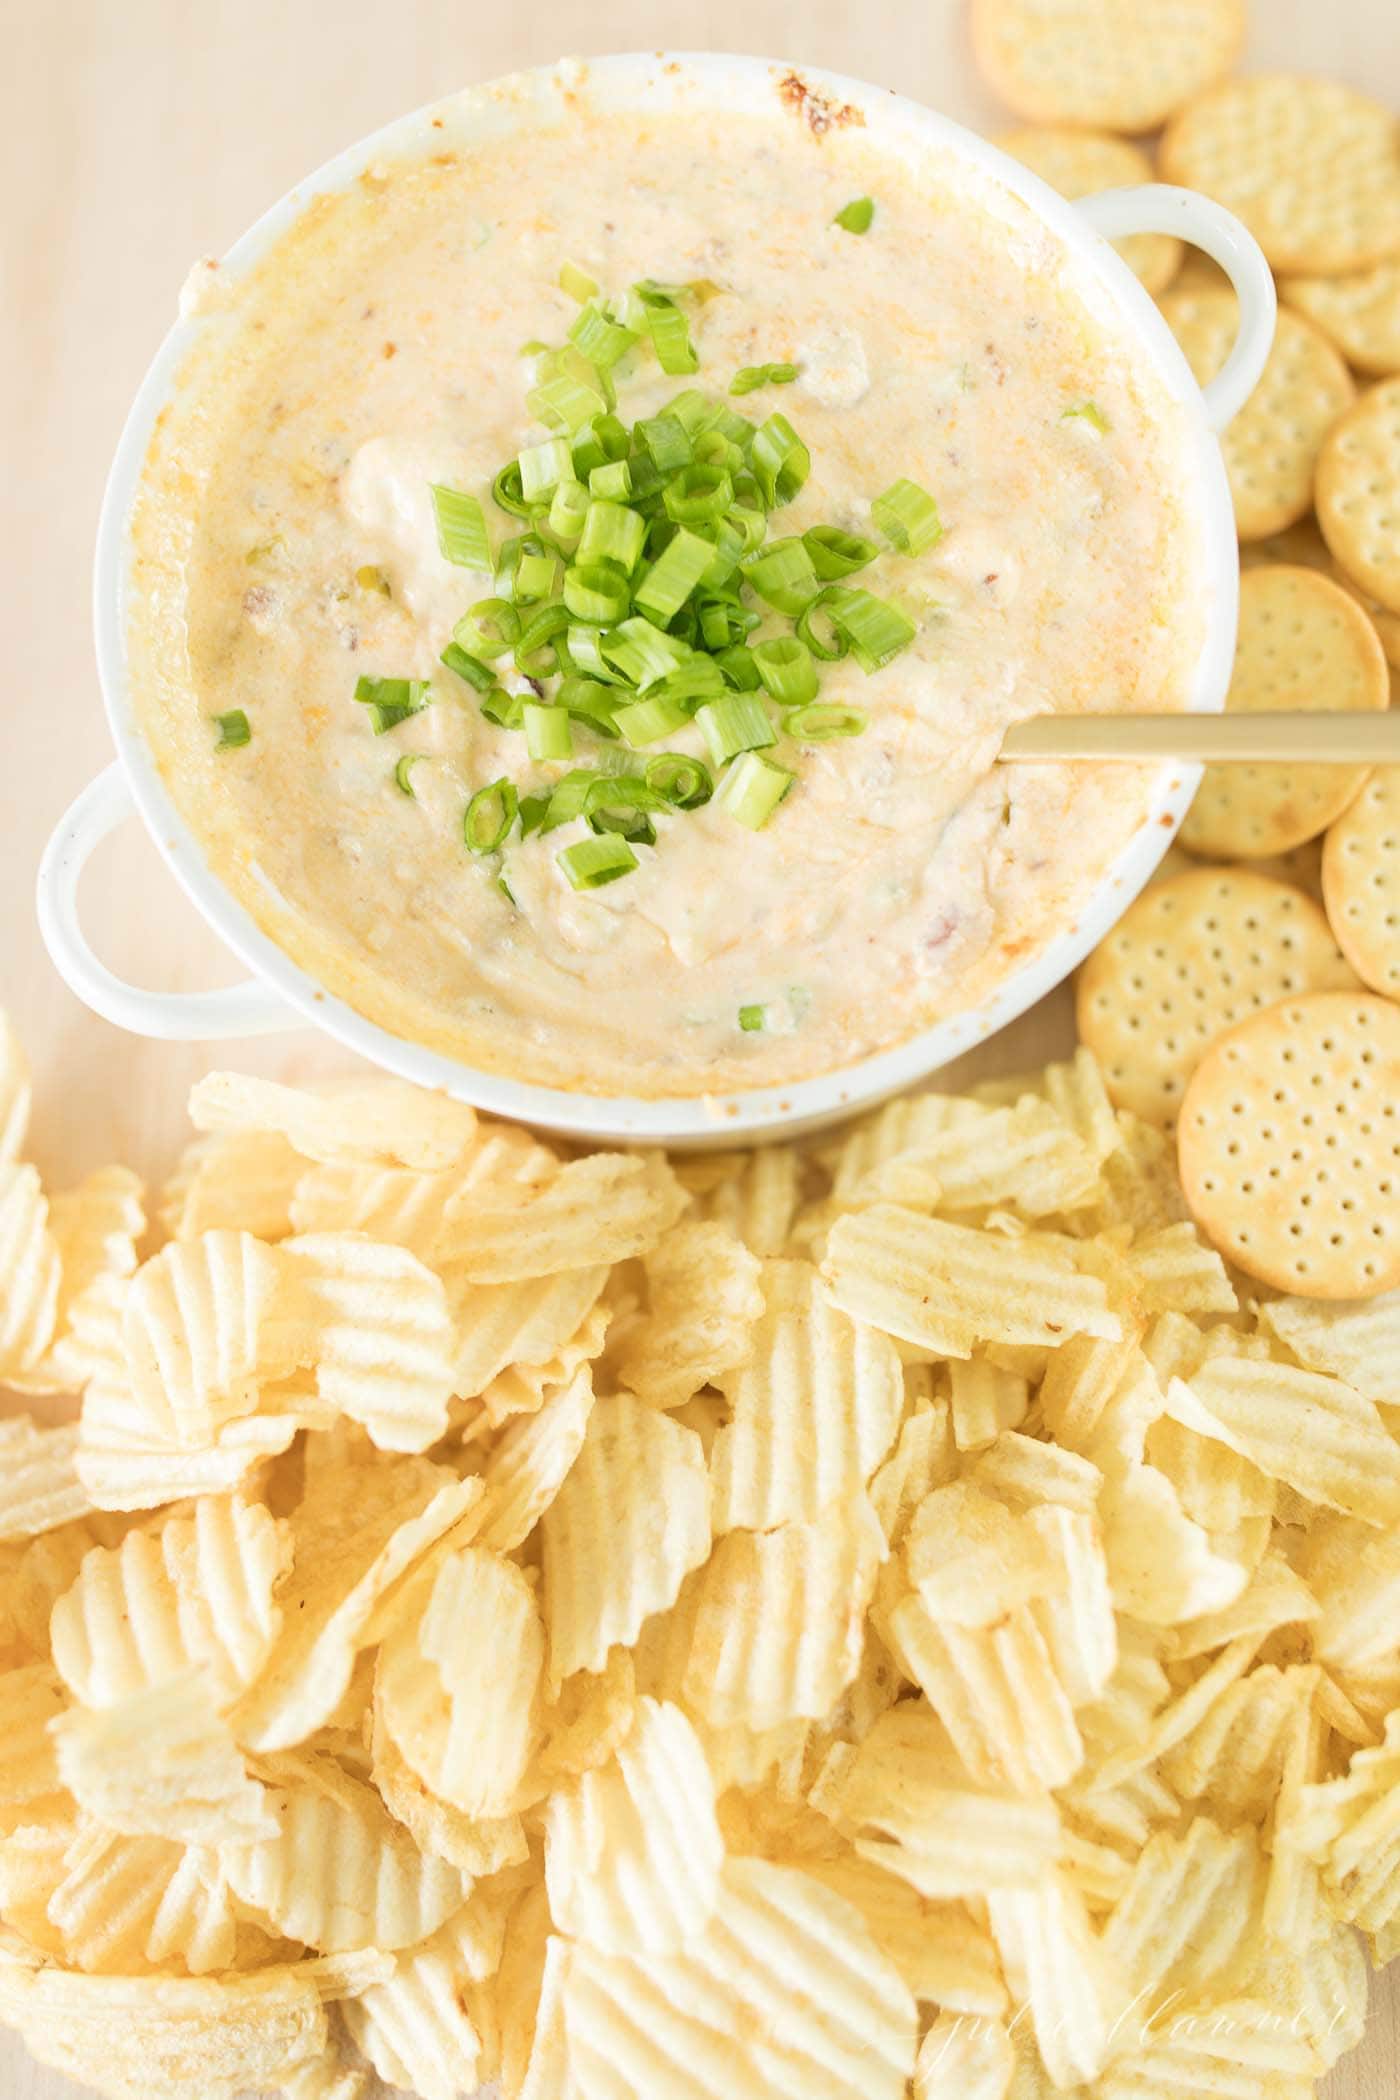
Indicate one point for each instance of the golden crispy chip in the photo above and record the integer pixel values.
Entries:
(1162, 1567)
(1353, 1572)
(996, 1690)
(1316, 1434)
(39, 1485)
(1075, 1090)
(1140, 1185)
(95, 1227)
(1171, 1723)
(1188, 1920)
(500, 1324)
(1276, 1596)
(1087, 62)
(30, 1271)
(163, 2037)
(1174, 1271)
(939, 1826)
(632, 1849)
(923, 1459)
(395, 1204)
(439, 1830)
(947, 1287)
(30, 1789)
(961, 2059)
(244, 1180)
(1357, 1342)
(353, 1557)
(546, 2074)
(201, 1332)
(162, 1764)
(780, 1618)
(1088, 1385)
(972, 1560)
(1025, 1157)
(1347, 1825)
(943, 1954)
(416, 2028)
(33, 1860)
(630, 1521)
(1021, 1470)
(584, 1725)
(1234, 1758)
(1216, 1487)
(1075, 1610)
(784, 1993)
(379, 1334)
(339, 1873)
(196, 1594)
(326, 2079)
(384, 1121)
(604, 1208)
(704, 1298)
(523, 1389)
(815, 1408)
(983, 1401)
(530, 1461)
(759, 1202)
(15, 1093)
(465, 1714)
(1059, 1970)
(125, 1903)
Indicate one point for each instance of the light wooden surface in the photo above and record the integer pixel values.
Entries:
(141, 136)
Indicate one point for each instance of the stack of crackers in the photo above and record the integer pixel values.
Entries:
(1246, 1000)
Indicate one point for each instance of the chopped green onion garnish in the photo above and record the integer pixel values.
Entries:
(622, 804)
(835, 553)
(752, 1018)
(611, 482)
(533, 811)
(505, 491)
(596, 592)
(674, 574)
(782, 574)
(749, 378)
(667, 441)
(404, 768)
(548, 731)
(641, 652)
(489, 816)
(594, 861)
(875, 629)
(506, 891)
(233, 730)
(591, 703)
(576, 282)
(647, 721)
(679, 780)
(781, 462)
(908, 517)
(697, 495)
(543, 467)
(536, 576)
(566, 798)
(535, 654)
(785, 665)
(505, 709)
(391, 700)
(752, 789)
(738, 668)
(670, 338)
(611, 532)
(461, 529)
(566, 400)
(817, 724)
(601, 439)
(856, 216)
(1087, 412)
(827, 644)
(489, 630)
(567, 510)
(735, 722)
(601, 340)
(476, 674)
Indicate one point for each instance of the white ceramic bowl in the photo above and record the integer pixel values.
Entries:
(280, 994)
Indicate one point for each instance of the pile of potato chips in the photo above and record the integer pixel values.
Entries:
(775, 1625)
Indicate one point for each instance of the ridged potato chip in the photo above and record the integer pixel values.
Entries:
(1187, 1923)
(996, 1690)
(1162, 1566)
(243, 1179)
(1234, 1758)
(629, 1522)
(338, 1872)
(922, 1460)
(1058, 1968)
(162, 1764)
(633, 1851)
(124, 1904)
(947, 1287)
(524, 1388)
(1316, 1434)
(972, 1560)
(198, 1593)
(30, 1271)
(31, 1698)
(415, 2028)
(785, 1994)
(704, 1300)
(377, 1328)
(1358, 1342)
(963, 2059)
(607, 1207)
(758, 1202)
(95, 1228)
(1021, 1470)
(39, 1485)
(530, 1462)
(983, 1401)
(943, 1954)
(780, 1618)
(503, 1324)
(440, 1831)
(814, 1408)
(380, 1120)
(15, 1093)
(466, 1716)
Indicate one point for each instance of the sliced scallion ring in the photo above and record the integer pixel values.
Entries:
(679, 780)
(592, 862)
(234, 730)
(819, 722)
(752, 789)
(489, 816)
(908, 517)
(461, 528)
(785, 665)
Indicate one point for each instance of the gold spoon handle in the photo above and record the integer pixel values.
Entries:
(1365, 739)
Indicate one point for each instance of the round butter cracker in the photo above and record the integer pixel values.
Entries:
(1123, 65)
(1271, 448)
(1361, 882)
(1078, 163)
(1188, 960)
(1303, 545)
(1359, 312)
(1358, 493)
(1289, 1145)
(1312, 168)
(1303, 643)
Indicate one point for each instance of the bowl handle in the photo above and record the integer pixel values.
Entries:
(236, 1009)
(1159, 207)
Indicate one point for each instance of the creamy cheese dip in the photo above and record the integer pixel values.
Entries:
(378, 349)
